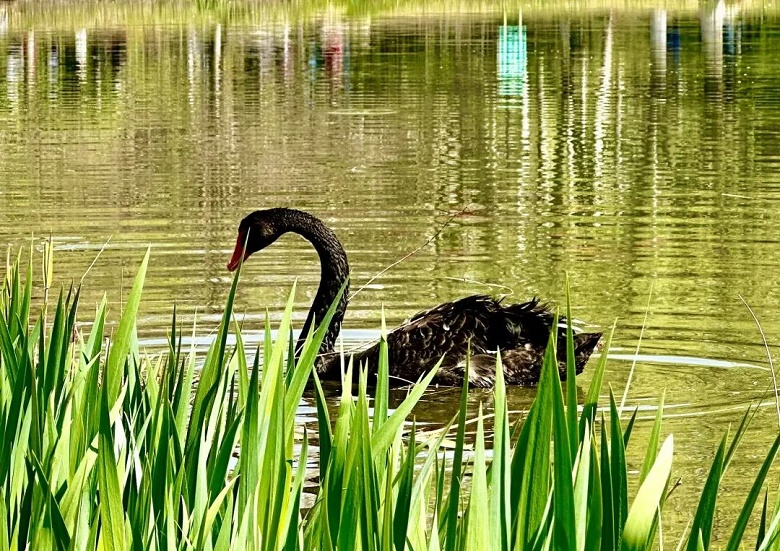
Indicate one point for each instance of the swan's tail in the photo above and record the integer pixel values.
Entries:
(584, 345)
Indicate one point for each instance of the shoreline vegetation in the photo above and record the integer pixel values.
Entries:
(63, 14)
(109, 448)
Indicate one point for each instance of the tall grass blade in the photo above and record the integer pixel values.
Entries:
(638, 529)
(477, 533)
(531, 461)
(499, 473)
(744, 516)
(398, 521)
(382, 390)
(323, 424)
(448, 526)
(705, 512)
(571, 378)
(563, 486)
(609, 541)
(306, 363)
(580, 492)
(618, 470)
(762, 523)
(112, 375)
(747, 418)
(595, 513)
(594, 390)
(111, 510)
(652, 443)
(383, 437)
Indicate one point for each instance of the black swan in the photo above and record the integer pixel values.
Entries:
(519, 331)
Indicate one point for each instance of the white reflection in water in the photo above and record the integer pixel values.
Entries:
(217, 66)
(31, 59)
(658, 42)
(682, 360)
(53, 67)
(603, 102)
(193, 48)
(712, 17)
(81, 54)
(13, 73)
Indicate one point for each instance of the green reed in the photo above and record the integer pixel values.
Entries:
(108, 448)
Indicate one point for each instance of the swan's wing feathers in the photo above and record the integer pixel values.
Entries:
(480, 321)
(443, 331)
(522, 365)
(481, 372)
(520, 331)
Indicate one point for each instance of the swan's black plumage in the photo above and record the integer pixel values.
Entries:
(519, 331)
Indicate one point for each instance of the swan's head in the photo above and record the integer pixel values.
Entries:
(255, 233)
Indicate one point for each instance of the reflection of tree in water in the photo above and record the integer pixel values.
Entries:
(74, 68)
(3, 20)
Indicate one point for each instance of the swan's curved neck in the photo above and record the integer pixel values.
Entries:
(334, 272)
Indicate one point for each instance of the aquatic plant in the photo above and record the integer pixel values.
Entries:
(108, 448)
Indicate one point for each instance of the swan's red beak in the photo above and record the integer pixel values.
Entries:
(239, 254)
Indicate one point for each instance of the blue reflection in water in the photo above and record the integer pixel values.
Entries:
(512, 59)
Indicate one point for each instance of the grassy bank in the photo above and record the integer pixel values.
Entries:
(108, 448)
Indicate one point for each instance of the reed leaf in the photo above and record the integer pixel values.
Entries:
(477, 528)
(705, 512)
(737, 534)
(120, 348)
(638, 528)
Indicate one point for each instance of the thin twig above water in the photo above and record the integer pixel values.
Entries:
(768, 355)
(415, 251)
(638, 345)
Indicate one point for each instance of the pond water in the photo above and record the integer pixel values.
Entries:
(638, 150)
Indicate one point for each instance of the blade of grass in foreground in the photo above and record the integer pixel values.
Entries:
(580, 491)
(210, 373)
(618, 470)
(652, 443)
(383, 380)
(571, 379)
(739, 529)
(111, 511)
(449, 522)
(398, 518)
(477, 534)
(499, 471)
(531, 461)
(121, 346)
(639, 523)
(301, 372)
(592, 399)
(563, 487)
(705, 512)
(382, 438)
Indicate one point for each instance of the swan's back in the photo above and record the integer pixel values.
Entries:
(447, 330)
